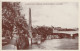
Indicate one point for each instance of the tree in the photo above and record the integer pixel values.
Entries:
(43, 31)
(11, 17)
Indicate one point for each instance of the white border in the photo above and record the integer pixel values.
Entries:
(40, 1)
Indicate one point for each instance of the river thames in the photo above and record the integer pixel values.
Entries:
(57, 44)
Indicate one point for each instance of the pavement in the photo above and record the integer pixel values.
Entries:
(9, 47)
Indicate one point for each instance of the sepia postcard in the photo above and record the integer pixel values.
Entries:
(39, 25)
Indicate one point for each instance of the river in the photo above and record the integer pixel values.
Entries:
(57, 44)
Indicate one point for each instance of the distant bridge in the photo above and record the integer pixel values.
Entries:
(66, 32)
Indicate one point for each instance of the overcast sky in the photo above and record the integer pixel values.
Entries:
(63, 15)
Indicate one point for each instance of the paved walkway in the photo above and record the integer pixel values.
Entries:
(9, 47)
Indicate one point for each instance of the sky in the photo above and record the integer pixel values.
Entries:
(62, 14)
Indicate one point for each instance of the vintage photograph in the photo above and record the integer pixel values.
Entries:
(40, 26)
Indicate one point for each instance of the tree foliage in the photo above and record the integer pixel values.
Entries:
(43, 30)
(11, 17)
